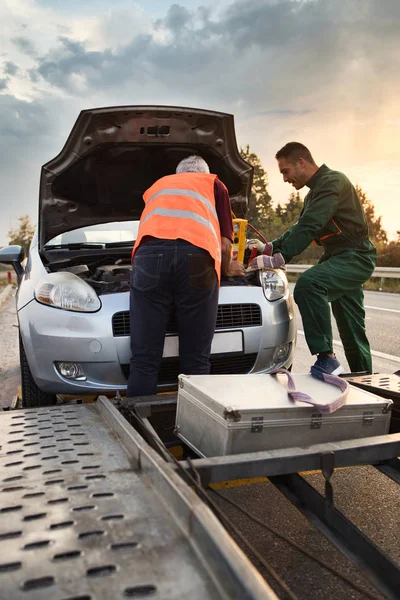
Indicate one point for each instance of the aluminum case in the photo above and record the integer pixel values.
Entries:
(218, 415)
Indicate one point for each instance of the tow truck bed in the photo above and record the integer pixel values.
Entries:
(89, 511)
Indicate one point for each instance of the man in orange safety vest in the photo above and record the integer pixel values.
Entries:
(183, 245)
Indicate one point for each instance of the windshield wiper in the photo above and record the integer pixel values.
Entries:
(75, 246)
(119, 244)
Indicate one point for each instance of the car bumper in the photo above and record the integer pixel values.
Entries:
(51, 336)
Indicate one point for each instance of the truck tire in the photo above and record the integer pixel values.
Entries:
(31, 394)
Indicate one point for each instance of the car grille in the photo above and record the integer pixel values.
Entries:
(228, 316)
(220, 365)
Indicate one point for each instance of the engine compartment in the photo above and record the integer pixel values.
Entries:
(104, 279)
(110, 274)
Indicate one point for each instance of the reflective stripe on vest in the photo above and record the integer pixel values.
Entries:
(181, 192)
(182, 206)
(181, 214)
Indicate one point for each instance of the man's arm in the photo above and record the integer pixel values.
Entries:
(314, 217)
(226, 251)
(229, 268)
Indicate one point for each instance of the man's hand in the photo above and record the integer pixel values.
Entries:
(267, 262)
(260, 246)
(236, 269)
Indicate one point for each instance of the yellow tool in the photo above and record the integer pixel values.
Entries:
(239, 239)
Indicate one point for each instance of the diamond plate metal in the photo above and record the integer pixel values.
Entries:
(379, 383)
(79, 521)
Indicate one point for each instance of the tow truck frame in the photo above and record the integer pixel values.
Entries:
(90, 510)
(283, 468)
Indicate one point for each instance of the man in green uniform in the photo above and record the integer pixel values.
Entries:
(333, 217)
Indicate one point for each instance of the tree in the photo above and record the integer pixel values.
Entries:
(376, 231)
(23, 234)
(389, 254)
(279, 211)
(273, 222)
(260, 203)
(284, 217)
(292, 209)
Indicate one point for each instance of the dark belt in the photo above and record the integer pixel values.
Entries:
(347, 243)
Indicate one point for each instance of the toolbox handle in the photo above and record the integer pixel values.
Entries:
(329, 407)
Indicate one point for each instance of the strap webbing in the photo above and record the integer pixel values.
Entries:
(327, 407)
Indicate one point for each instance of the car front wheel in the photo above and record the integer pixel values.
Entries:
(31, 394)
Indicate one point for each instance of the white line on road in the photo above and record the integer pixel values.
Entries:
(380, 308)
(373, 352)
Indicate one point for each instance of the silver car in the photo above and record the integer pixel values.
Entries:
(73, 295)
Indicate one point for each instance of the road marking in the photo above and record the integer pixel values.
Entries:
(380, 308)
(373, 352)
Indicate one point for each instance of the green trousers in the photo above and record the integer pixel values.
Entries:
(338, 280)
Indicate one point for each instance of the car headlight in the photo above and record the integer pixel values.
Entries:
(68, 292)
(274, 283)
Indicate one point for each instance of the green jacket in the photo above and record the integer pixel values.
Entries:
(332, 216)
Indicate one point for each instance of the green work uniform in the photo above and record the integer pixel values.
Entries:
(333, 217)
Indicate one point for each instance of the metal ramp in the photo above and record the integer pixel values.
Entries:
(88, 511)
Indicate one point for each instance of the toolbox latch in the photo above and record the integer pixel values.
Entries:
(257, 424)
(368, 418)
(316, 421)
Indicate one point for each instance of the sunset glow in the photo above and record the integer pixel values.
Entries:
(322, 73)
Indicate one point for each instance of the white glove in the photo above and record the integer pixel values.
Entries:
(258, 244)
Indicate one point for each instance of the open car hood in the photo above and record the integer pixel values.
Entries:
(113, 155)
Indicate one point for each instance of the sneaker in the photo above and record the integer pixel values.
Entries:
(326, 364)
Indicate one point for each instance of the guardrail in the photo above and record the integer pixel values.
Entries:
(382, 272)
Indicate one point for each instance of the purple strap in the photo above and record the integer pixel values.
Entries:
(302, 397)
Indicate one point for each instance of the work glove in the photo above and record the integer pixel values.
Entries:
(260, 246)
(267, 262)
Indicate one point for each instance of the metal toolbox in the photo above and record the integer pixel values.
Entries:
(218, 415)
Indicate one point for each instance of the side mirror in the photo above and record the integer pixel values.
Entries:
(13, 255)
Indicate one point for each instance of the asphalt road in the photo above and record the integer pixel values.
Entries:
(383, 330)
(366, 496)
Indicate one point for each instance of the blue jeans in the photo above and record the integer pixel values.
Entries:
(170, 274)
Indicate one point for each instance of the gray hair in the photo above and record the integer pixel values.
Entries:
(193, 164)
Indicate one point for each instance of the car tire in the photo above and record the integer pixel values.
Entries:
(31, 395)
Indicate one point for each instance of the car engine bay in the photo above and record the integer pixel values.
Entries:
(111, 275)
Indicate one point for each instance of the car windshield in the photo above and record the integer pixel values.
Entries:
(105, 233)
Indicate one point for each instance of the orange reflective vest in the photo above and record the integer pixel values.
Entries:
(182, 206)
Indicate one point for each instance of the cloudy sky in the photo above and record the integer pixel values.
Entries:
(323, 72)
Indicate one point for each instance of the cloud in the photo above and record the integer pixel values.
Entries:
(178, 17)
(10, 68)
(284, 112)
(25, 45)
(22, 119)
(26, 144)
(323, 72)
(300, 46)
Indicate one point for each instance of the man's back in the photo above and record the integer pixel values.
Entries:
(348, 221)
